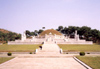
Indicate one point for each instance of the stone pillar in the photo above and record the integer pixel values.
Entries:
(36, 51)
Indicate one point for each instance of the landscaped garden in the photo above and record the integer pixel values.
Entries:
(18, 48)
(3, 59)
(93, 62)
(76, 47)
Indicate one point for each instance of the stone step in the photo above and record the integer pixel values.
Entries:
(45, 56)
(48, 50)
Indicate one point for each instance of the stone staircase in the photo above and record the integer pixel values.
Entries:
(48, 51)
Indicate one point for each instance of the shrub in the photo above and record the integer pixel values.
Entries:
(9, 53)
(82, 53)
(88, 53)
(30, 52)
(67, 53)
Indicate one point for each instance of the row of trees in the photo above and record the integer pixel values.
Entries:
(84, 32)
(35, 33)
(10, 36)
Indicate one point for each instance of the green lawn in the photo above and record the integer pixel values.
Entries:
(75, 47)
(18, 48)
(93, 62)
(3, 59)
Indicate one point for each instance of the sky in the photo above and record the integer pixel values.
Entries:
(20, 15)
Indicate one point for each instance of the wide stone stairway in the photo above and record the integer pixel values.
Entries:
(49, 49)
(47, 58)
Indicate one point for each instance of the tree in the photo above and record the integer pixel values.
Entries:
(32, 33)
(18, 36)
(43, 27)
(60, 28)
(65, 30)
(9, 36)
(40, 31)
(27, 33)
(85, 31)
(36, 32)
(95, 35)
(1, 36)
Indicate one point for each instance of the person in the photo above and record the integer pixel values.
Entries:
(40, 47)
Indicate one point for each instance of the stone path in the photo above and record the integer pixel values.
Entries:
(42, 63)
(47, 58)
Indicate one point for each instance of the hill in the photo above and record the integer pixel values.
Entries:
(4, 31)
(6, 36)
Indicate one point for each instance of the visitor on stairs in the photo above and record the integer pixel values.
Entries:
(40, 47)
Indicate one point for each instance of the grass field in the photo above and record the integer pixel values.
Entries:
(93, 62)
(3, 59)
(18, 48)
(86, 48)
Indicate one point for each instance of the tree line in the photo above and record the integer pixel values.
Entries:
(35, 33)
(84, 32)
(10, 36)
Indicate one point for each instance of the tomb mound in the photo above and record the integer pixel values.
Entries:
(52, 31)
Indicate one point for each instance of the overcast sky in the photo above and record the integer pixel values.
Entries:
(21, 15)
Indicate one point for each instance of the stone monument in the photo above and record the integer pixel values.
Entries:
(23, 37)
(76, 36)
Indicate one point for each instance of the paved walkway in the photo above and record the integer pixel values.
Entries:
(47, 58)
(42, 63)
